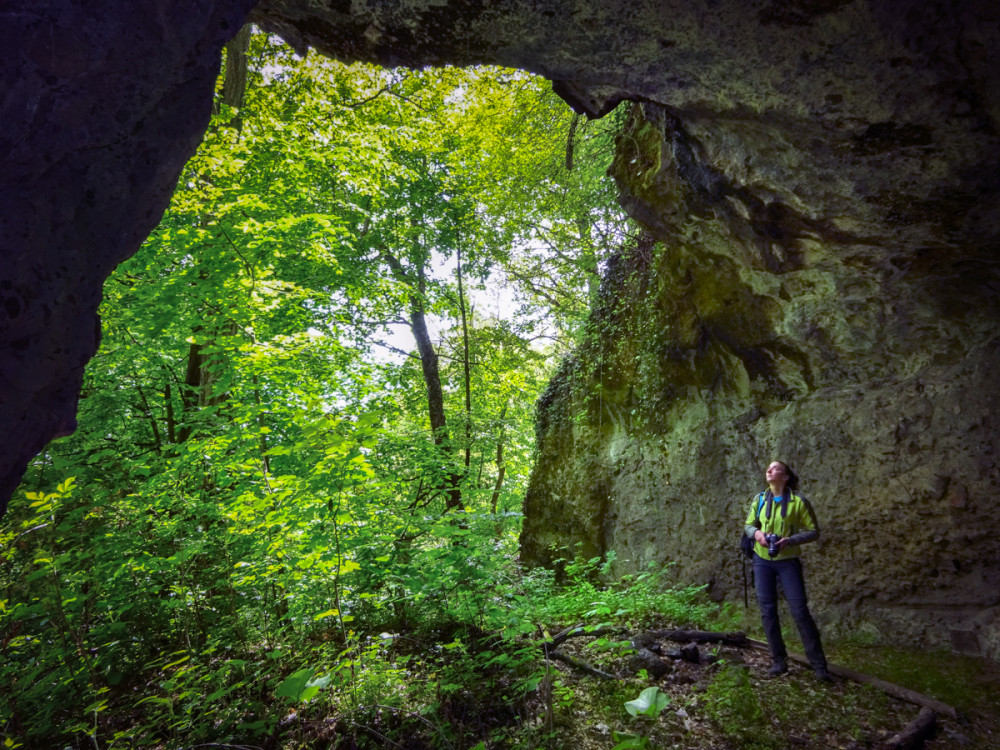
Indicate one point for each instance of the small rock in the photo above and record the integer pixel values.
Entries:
(645, 640)
(691, 653)
(957, 737)
(653, 664)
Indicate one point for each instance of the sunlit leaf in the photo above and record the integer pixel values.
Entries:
(650, 702)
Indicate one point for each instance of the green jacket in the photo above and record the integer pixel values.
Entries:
(798, 523)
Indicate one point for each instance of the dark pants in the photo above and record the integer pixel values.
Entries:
(767, 573)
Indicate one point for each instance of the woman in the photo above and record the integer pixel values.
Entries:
(780, 521)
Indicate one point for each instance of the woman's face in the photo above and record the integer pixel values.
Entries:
(776, 473)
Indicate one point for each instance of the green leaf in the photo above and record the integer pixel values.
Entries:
(650, 702)
(629, 741)
(295, 685)
(221, 692)
(308, 694)
(175, 663)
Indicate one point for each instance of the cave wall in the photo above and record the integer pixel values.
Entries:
(101, 104)
(834, 306)
(819, 179)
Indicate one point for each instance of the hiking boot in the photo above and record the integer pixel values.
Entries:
(822, 674)
(778, 668)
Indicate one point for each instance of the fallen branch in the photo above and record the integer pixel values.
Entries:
(897, 691)
(580, 631)
(913, 734)
(737, 638)
(581, 665)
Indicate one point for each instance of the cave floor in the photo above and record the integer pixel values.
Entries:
(728, 702)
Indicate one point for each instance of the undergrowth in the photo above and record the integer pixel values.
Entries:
(441, 671)
(447, 682)
(633, 599)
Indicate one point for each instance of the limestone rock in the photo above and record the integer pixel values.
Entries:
(102, 103)
(819, 284)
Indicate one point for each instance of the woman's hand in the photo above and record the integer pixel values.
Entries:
(761, 538)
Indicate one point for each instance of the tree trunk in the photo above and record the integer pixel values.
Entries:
(432, 375)
(468, 386)
(431, 372)
(157, 440)
(190, 390)
(501, 470)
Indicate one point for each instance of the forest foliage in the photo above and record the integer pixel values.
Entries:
(310, 419)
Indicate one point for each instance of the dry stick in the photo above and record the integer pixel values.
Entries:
(897, 691)
(581, 665)
(378, 734)
(412, 714)
(580, 631)
(737, 638)
(415, 715)
(562, 635)
(576, 631)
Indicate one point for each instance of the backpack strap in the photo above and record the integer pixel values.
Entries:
(759, 502)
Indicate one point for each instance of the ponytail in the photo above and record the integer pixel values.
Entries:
(792, 483)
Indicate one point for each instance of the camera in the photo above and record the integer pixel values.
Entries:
(772, 544)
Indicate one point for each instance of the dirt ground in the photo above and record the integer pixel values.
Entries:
(725, 700)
